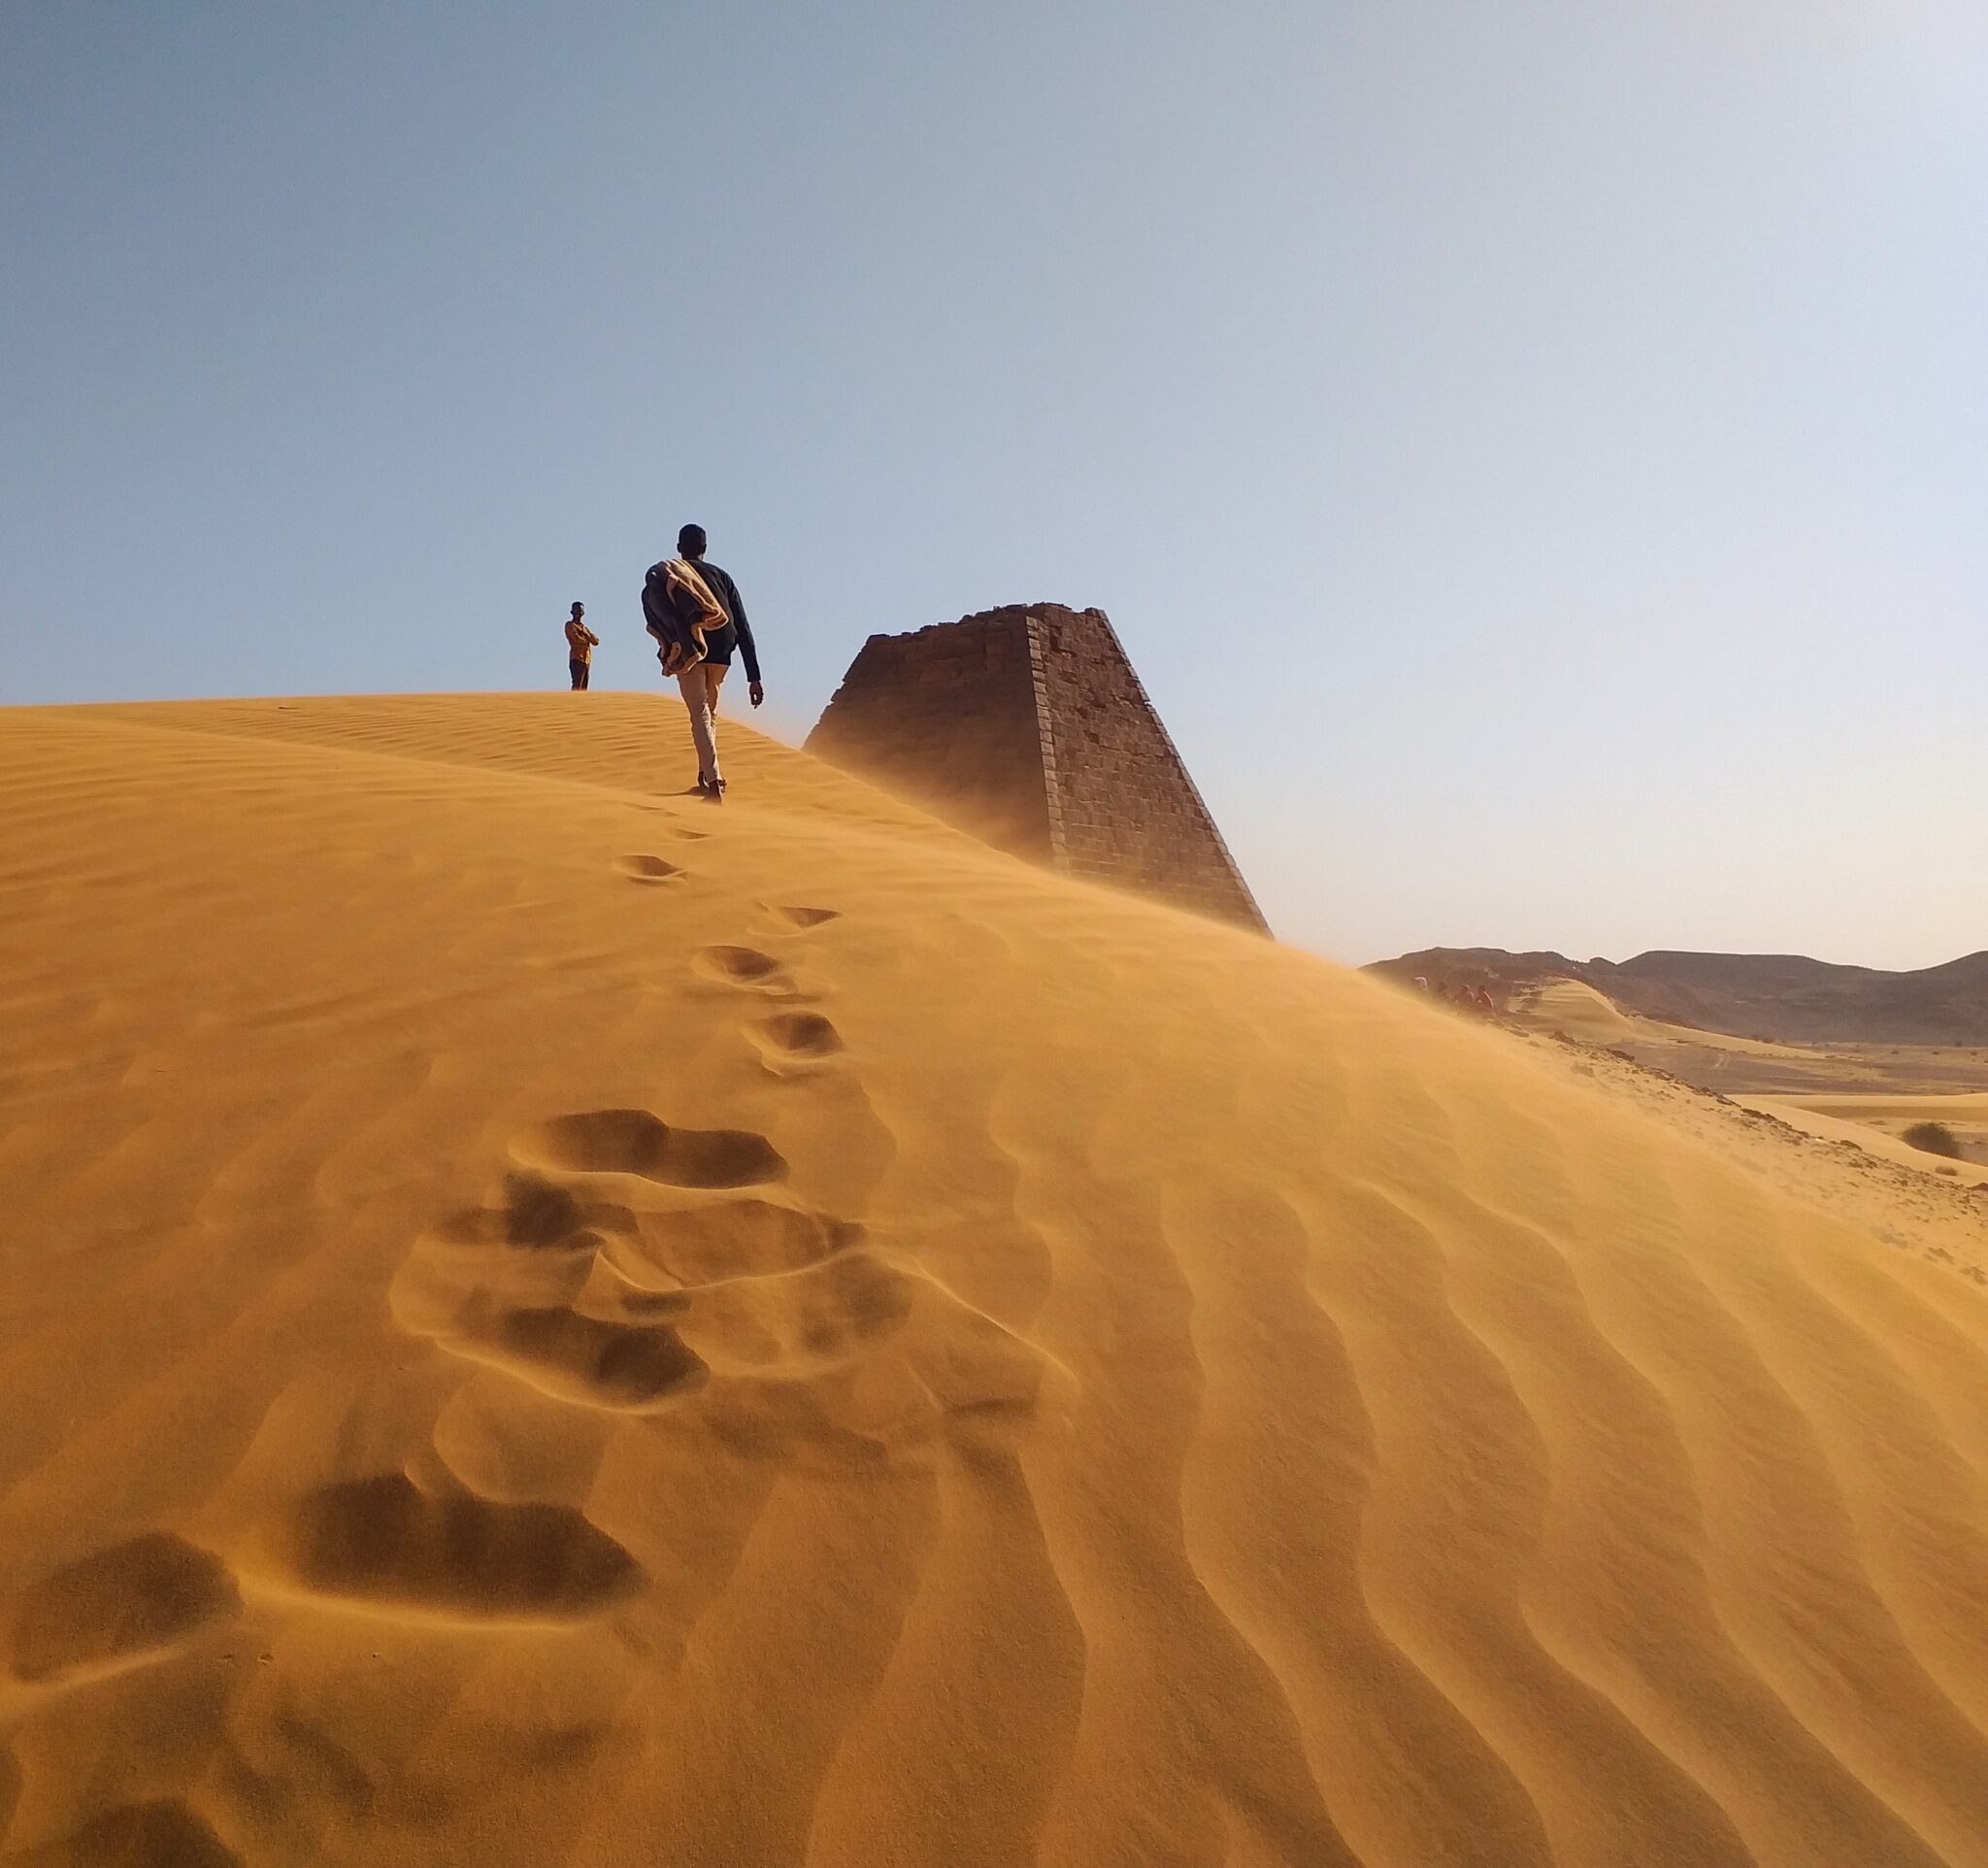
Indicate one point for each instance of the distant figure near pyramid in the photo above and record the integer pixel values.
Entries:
(1027, 726)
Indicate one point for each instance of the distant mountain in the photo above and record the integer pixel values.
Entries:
(1785, 997)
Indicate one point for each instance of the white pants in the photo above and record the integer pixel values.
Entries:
(700, 686)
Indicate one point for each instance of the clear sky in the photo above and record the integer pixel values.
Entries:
(1537, 455)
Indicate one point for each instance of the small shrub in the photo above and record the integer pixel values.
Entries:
(1934, 1138)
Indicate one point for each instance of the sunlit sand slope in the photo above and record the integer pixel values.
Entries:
(1878, 1124)
(546, 1323)
(1576, 1010)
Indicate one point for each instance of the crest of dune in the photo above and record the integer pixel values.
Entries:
(548, 1322)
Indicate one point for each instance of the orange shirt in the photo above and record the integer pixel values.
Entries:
(580, 641)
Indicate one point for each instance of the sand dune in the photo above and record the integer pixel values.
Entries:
(1575, 1008)
(1878, 1124)
(1578, 1011)
(546, 1323)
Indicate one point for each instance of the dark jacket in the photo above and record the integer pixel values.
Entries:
(727, 593)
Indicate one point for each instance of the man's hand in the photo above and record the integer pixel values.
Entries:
(757, 693)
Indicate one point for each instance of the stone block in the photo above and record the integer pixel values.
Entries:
(1027, 726)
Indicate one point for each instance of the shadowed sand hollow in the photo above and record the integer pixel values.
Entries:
(632, 1140)
(383, 1540)
(116, 1604)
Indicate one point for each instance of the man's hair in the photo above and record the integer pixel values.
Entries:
(691, 541)
(580, 606)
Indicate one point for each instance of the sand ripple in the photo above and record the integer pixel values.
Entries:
(1061, 1383)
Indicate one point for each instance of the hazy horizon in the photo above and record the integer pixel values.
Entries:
(1537, 465)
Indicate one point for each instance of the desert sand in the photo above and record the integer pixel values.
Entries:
(1577, 1010)
(1581, 1011)
(1860, 1095)
(548, 1322)
(1785, 998)
(1878, 1122)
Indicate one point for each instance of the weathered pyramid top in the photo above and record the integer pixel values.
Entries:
(1027, 726)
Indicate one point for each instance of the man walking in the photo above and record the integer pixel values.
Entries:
(700, 683)
(580, 644)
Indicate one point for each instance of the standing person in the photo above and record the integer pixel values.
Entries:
(700, 685)
(580, 644)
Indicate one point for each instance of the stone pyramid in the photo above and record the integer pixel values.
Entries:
(1027, 726)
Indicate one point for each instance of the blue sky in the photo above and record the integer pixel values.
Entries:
(1536, 456)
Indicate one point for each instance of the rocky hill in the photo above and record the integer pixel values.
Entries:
(1786, 997)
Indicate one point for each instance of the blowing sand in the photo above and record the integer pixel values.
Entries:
(546, 1323)
(1576, 1010)
(1878, 1123)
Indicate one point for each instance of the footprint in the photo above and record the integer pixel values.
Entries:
(794, 1038)
(677, 832)
(782, 1331)
(739, 1239)
(116, 1605)
(536, 1214)
(632, 1140)
(166, 1834)
(647, 869)
(803, 917)
(380, 1539)
(823, 1314)
(611, 1295)
(745, 966)
(571, 1358)
(507, 1286)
